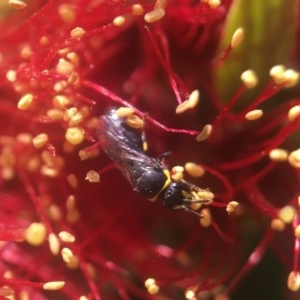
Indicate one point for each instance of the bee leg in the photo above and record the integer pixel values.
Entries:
(186, 208)
(164, 155)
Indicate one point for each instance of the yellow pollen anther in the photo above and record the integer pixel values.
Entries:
(60, 86)
(66, 237)
(123, 112)
(205, 133)
(77, 33)
(92, 176)
(237, 37)
(25, 102)
(74, 135)
(277, 74)
(206, 195)
(277, 225)
(54, 244)
(11, 75)
(160, 4)
(66, 13)
(182, 107)
(178, 169)
(44, 40)
(17, 4)
(287, 214)
(67, 254)
(36, 234)
(194, 98)
(151, 286)
(291, 78)
(254, 114)
(119, 21)
(194, 169)
(177, 173)
(294, 158)
(249, 79)
(297, 231)
(53, 285)
(72, 181)
(40, 140)
(134, 121)
(190, 103)
(64, 67)
(298, 200)
(205, 219)
(190, 294)
(214, 3)
(73, 58)
(26, 52)
(55, 114)
(60, 101)
(154, 15)
(293, 281)
(294, 112)
(278, 155)
(76, 120)
(50, 172)
(231, 206)
(137, 10)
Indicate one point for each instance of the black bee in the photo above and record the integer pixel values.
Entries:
(148, 176)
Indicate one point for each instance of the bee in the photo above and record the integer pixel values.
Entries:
(148, 176)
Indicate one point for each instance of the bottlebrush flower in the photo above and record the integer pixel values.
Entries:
(71, 225)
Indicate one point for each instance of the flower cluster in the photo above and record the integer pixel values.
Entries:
(71, 225)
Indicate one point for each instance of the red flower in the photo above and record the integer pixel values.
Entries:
(68, 233)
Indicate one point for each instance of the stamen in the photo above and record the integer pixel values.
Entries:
(137, 9)
(53, 285)
(277, 74)
(123, 112)
(17, 4)
(151, 286)
(293, 281)
(231, 207)
(278, 155)
(134, 121)
(36, 234)
(67, 13)
(291, 78)
(206, 218)
(154, 15)
(294, 158)
(72, 181)
(194, 169)
(160, 4)
(297, 232)
(205, 133)
(294, 112)
(287, 214)
(77, 33)
(119, 21)
(237, 37)
(92, 176)
(40, 140)
(254, 115)
(249, 78)
(25, 102)
(74, 135)
(54, 244)
(277, 225)
(66, 237)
